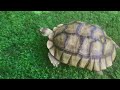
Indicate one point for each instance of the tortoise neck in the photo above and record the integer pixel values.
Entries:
(49, 32)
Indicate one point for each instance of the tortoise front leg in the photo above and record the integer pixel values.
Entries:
(53, 60)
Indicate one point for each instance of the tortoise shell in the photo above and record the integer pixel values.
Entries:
(82, 45)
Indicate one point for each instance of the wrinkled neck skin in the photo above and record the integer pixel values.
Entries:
(51, 34)
(48, 32)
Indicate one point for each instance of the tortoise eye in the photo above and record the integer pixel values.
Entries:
(41, 32)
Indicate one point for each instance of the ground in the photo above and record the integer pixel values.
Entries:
(23, 51)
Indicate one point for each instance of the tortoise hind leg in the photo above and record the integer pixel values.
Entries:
(100, 72)
(53, 60)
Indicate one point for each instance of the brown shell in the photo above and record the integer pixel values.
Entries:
(83, 45)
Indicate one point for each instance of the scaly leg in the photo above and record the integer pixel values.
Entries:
(100, 72)
(53, 60)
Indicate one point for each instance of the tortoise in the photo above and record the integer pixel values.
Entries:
(81, 45)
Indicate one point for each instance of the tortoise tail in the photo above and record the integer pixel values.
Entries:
(117, 46)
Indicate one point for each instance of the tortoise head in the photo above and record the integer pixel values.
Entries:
(45, 31)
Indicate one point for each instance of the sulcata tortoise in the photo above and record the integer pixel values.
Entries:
(81, 45)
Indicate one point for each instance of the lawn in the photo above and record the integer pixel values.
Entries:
(23, 51)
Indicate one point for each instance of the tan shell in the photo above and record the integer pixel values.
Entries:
(82, 45)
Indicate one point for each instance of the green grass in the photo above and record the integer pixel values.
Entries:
(23, 51)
